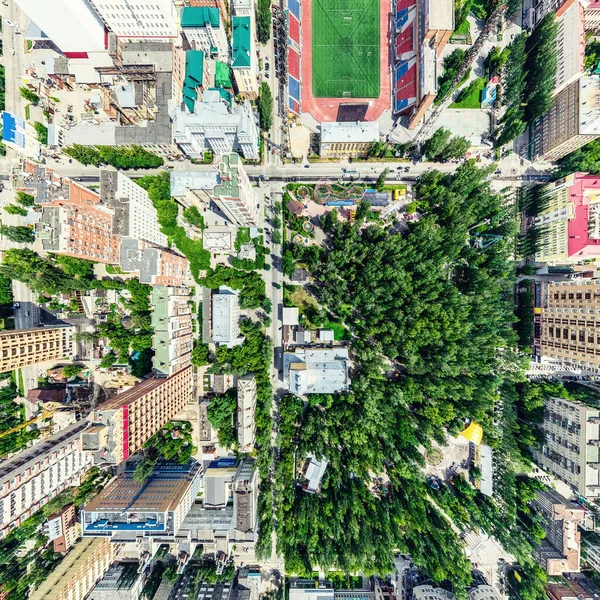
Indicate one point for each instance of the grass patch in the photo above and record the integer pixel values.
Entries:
(27, 113)
(115, 270)
(471, 98)
(463, 30)
(296, 295)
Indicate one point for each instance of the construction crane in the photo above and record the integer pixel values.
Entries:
(43, 416)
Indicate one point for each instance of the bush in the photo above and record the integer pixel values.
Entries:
(25, 199)
(42, 132)
(121, 157)
(452, 64)
(29, 95)
(193, 217)
(20, 234)
(265, 106)
(13, 209)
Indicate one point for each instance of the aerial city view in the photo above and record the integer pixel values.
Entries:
(300, 300)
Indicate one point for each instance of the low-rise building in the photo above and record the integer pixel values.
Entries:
(428, 592)
(246, 406)
(122, 581)
(484, 592)
(348, 140)
(20, 136)
(225, 317)
(244, 63)
(568, 589)
(62, 528)
(316, 371)
(312, 474)
(203, 29)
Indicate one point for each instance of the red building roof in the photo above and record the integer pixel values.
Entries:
(580, 243)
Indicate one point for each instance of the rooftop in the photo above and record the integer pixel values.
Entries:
(317, 371)
(360, 131)
(241, 42)
(200, 16)
(182, 181)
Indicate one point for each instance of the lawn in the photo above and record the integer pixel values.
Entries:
(115, 270)
(297, 296)
(463, 30)
(345, 48)
(473, 98)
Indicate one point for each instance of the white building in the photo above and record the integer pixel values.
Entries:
(71, 24)
(204, 31)
(226, 317)
(135, 215)
(570, 42)
(343, 140)
(145, 19)
(313, 473)
(428, 592)
(243, 8)
(247, 394)
(244, 63)
(484, 592)
(213, 128)
(308, 371)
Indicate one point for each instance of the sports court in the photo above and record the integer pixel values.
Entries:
(345, 48)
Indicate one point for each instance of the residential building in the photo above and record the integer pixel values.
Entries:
(225, 317)
(215, 591)
(172, 326)
(484, 592)
(76, 574)
(348, 140)
(312, 473)
(62, 528)
(126, 510)
(571, 445)
(568, 589)
(202, 27)
(559, 551)
(316, 371)
(71, 24)
(135, 215)
(154, 265)
(428, 592)
(249, 583)
(244, 8)
(20, 136)
(570, 222)
(211, 127)
(246, 406)
(235, 195)
(31, 478)
(26, 347)
(80, 231)
(592, 16)
(570, 44)
(155, 19)
(590, 550)
(123, 424)
(244, 63)
(572, 121)
(122, 581)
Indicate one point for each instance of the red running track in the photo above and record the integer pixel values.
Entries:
(326, 109)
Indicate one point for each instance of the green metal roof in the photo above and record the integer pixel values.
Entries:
(228, 167)
(200, 16)
(194, 74)
(241, 42)
(222, 75)
(227, 96)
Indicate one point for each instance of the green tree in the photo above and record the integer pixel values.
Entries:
(108, 360)
(434, 146)
(276, 236)
(200, 354)
(193, 217)
(221, 413)
(20, 233)
(592, 55)
(495, 60)
(29, 95)
(25, 199)
(42, 132)
(452, 65)
(457, 148)
(329, 220)
(72, 370)
(380, 183)
(265, 105)
(263, 21)
(13, 209)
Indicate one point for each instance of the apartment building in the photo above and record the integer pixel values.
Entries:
(134, 213)
(203, 29)
(572, 121)
(122, 581)
(235, 195)
(144, 19)
(244, 64)
(79, 231)
(590, 549)
(571, 445)
(570, 223)
(225, 317)
(123, 424)
(126, 510)
(345, 140)
(246, 406)
(78, 572)
(31, 478)
(592, 16)
(25, 347)
(559, 551)
(62, 528)
(570, 44)
(172, 325)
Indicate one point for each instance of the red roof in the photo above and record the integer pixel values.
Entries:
(580, 244)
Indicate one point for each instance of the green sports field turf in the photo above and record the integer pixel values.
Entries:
(345, 48)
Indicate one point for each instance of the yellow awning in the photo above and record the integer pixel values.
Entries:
(473, 433)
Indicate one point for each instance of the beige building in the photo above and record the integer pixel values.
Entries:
(247, 393)
(77, 574)
(62, 528)
(25, 347)
(345, 140)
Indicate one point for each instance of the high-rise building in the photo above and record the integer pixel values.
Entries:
(567, 325)
(570, 44)
(135, 215)
(559, 551)
(203, 29)
(126, 510)
(62, 528)
(77, 573)
(123, 424)
(572, 121)
(592, 16)
(590, 550)
(122, 581)
(246, 406)
(235, 195)
(172, 325)
(71, 24)
(25, 347)
(571, 445)
(34, 476)
(145, 19)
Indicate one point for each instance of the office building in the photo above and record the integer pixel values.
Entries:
(244, 64)
(211, 127)
(246, 406)
(62, 528)
(348, 140)
(135, 215)
(308, 371)
(31, 478)
(203, 29)
(122, 581)
(71, 24)
(559, 551)
(225, 317)
(143, 20)
(569, 224)
(172, 325)
(123, 424)
(572, 121)
(126, 510)
(76, 574)
(571, 445)
(25, 347)
(79, 231)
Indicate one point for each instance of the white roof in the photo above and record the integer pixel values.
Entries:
(126, 96)
(326, 335)
(360, 131)
(103, 134)
(317, 371)
(441, 14)
(315, 471)
(290, 315)
(589, 105)
(223, 305)
(182, 181)
(486, 484)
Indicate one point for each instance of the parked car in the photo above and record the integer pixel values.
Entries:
(16, 306)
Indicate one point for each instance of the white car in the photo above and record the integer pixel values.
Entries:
(10, 23)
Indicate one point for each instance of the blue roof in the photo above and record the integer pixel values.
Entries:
(12, 129)
(221, 463)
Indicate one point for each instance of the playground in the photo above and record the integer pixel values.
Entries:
(335, 191)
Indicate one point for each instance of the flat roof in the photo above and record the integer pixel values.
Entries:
(441, 14)
(182, 181)
(360, 131)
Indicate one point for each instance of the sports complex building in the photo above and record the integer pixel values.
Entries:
(351, 60)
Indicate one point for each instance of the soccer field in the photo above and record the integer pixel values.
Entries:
(345, 48)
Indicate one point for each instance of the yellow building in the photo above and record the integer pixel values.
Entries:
(348, 140)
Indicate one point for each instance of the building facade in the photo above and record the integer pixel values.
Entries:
(25, 347)
(62, 528)
(570, 44)
(122, 425)
(172, 325)
(246, 406)
(203, 29)
(571, 445)
(121, 582)
(244, 65)
(35, 475)
(344, 140)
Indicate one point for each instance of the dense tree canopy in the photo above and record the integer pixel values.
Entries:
(121, 157)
